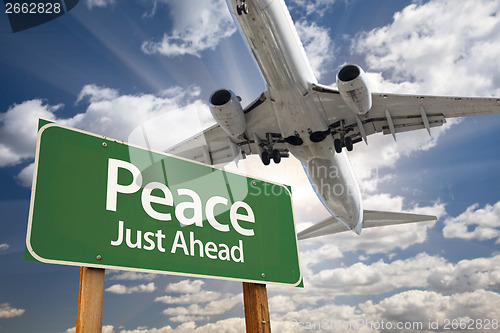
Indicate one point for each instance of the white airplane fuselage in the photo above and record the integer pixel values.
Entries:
(273, 39)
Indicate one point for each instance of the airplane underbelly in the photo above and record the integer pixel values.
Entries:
(335, 184)
(271, 35)
(299, 117)
(310, 150)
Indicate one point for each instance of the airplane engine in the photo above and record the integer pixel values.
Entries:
(351, 82)
(226, 109)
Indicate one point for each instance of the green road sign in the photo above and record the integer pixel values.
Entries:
(98, 202)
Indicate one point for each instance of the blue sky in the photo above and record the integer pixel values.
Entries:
(110, 66)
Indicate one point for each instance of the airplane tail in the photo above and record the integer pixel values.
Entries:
(371, 219)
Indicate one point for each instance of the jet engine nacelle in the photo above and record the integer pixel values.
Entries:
(226, 109)
(351, 82)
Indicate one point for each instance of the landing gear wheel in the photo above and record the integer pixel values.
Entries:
(242, 9)
(265, 157)
(338, 145)
(276, 156)
(348, 144)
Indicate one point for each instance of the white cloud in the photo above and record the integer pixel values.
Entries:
(201, 296)
(7, 311)
(422, 306)
(475, 224)
(4, 247)
(25, 177)
(317, 44)
(117, 116)
(316, 318)
(18, 128)
(131, 276)
(423, 271)
(229, 325)
(105, 329)
(371, 162)
(281, 303)
(99, 3)
(216, 307)
(377, 83)
(121, 289)
(193, 31)
(313, 7)
(108, 329)
(192, 293)
(140, 119)
(188, 318)
(411, 307)
(185, 286)
(376, 278)
(437, 46)
(96, 94)
(466, 275)
(455, 291)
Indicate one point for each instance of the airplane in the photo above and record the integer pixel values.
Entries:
(314, 122)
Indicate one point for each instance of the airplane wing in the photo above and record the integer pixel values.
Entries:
(215, 146)
(212, 146)
(371, 219)
(390, 114)
(394, 113)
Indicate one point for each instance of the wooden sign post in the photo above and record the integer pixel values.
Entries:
(256, 308)
(91, 292)
(90, 298)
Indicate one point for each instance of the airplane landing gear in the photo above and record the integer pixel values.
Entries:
(276, 156)
(242, 9)
(338, 145)
(344, 141)
(266, 149)
(266, 156)
(347, 143)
